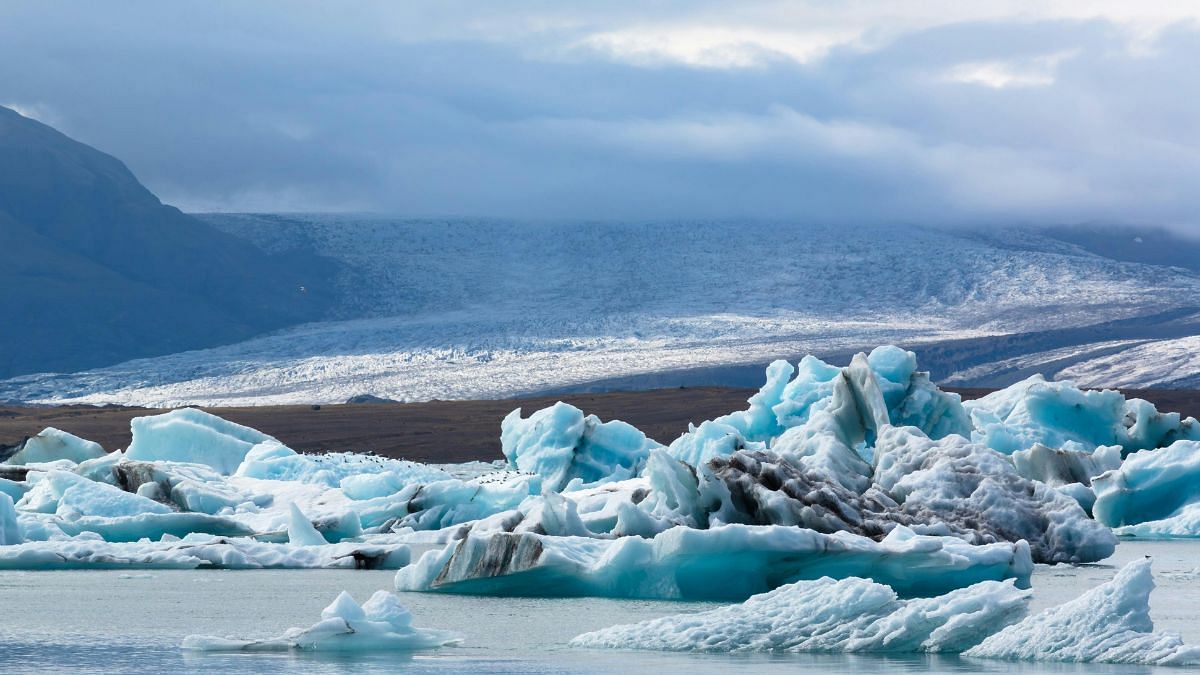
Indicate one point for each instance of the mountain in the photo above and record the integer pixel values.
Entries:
(458, 308)
(96, 270)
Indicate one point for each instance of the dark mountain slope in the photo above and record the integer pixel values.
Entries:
(94, 269)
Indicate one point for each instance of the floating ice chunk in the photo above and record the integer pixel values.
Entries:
(979, 492)
(1064, 466)
(190, 487)
(1149, 485)
(147, 526)
(301, 531)
(1056, 413)
(765, 488)
(709, 440)
(551, 514)
(71, 495)
(14, 489)
(560, 444)
(199, 550)
(193, 436)
(1069, 470)
(1183, 524)
(101, 468)
(731, 562)
(10, 532)
(814, 382)
(51, 445)
(827, 615)
(440, 504)
(274, 461)
(380, 624)
(1108, 624)
(372, 485)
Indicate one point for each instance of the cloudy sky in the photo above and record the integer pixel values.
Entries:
(921, 111)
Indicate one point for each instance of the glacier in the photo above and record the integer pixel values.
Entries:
(470, 318)
(381, 623)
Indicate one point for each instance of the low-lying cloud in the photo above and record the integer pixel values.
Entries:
(992, 112)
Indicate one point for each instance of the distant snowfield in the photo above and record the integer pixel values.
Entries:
(1170, 364)
(456, 310)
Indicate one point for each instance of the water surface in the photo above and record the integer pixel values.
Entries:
(133, 622)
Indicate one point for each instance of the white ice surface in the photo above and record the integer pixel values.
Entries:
(52, 444)
(1108, 624)
(379, 624)
(488, 310)
(827, 615)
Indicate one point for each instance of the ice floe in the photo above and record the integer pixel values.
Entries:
(1156, 485)
(828, 615)
(51, 445)
(379, 624)
(730, 562)
(1108, 624)
(198, 551)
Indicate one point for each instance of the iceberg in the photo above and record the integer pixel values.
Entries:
(562, 445)
(731, 562)
(978, 491)
(198, 551)
(51, 445)
(1183, 524)
(10, 532)
(379, 624)
(192, 436)
(828, 615)
(300, 529)
(882, 388)
(1056, 413)
(271, 460)
(1108, 624)
(71, 496)
(1150, 485)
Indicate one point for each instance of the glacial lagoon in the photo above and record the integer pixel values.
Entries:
(134, 621)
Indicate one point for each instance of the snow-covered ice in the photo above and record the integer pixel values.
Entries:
(1108, 624)
(193, 436)
(195, 551)
(492, 309)
(51, 445)
(379, 624)
(828, 615)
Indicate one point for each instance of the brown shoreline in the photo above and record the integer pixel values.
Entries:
(443, 431)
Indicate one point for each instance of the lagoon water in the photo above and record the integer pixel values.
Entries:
(134, 621)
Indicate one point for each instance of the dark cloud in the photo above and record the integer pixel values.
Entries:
(454, 109)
